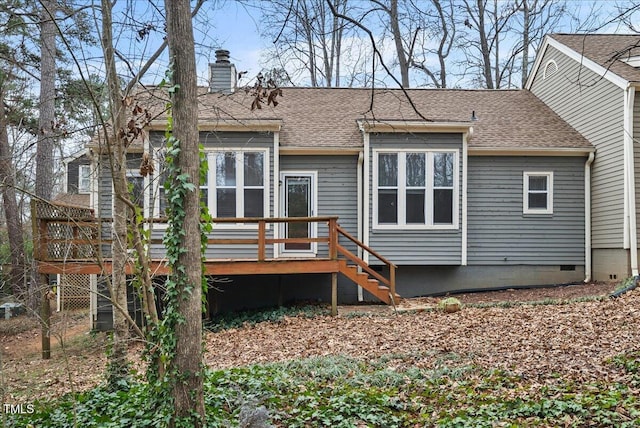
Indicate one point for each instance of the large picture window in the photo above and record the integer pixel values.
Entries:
(84, 178)
(236, 184)
(537, 195)
(415, 189)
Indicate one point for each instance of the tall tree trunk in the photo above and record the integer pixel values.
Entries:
(188, 387)
(484, 45)
(403, 62)
(118, 366)
(526, 21)
(11, 212)
(45, 146)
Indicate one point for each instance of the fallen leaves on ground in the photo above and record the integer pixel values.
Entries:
(539, 342)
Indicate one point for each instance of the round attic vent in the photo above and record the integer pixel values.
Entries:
(550, 68)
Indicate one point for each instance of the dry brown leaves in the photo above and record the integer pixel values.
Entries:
(538, 341)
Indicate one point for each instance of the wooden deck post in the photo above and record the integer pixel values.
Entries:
(392, 281)
(334, 294)
(333, 239)
(261, 240)
(45, 317)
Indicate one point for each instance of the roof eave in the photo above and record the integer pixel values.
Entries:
(414, 126)
(252, 125)
(530, 151)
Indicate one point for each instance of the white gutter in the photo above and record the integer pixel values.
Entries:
(465, 161)
(359, 213)
(587, 217)
(630, 175)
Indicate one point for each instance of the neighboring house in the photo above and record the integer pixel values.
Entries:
(590, 81)
(481, 190)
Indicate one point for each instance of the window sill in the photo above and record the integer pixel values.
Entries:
(385, 227)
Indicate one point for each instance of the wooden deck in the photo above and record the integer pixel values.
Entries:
(67, 240)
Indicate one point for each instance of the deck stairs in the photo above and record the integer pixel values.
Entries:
(360, 272)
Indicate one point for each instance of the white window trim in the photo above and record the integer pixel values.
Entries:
(525, 192)
(402, 225)
(211, 195)
(81, 190)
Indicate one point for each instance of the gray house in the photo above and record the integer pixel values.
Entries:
(434, 191)
(459, 189)
(590, 81)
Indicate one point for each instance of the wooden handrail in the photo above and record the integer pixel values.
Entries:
(364, 247)
(391, 282)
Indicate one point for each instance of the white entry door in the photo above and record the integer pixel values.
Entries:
(298, 194)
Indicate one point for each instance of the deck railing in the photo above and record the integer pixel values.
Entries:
(68, 233)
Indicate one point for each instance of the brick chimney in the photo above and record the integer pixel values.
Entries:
(222, 74)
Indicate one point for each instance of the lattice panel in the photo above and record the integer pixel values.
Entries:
(75, 292)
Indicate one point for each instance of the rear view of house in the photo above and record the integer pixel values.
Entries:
(402, 193)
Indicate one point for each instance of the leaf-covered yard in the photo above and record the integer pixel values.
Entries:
(531, 361)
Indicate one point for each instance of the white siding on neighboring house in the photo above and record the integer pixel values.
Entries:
(594, 107)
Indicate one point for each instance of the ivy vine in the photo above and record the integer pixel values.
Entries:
(162, 344)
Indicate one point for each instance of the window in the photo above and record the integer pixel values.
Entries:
(415, 189)
(236, 184)
(84, 178)
(537, 193)
(136, 188)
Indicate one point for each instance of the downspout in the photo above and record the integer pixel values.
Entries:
(359, 214)
(631, 188)
(587, 217)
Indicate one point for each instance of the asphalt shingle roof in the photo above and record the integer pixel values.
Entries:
(327, 117)
(605, 49)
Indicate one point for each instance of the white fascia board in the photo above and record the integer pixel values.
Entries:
(586, 62)
(321, 151)
(531, 151)
(257, 125)
(75, 155)
(414, 126)
(536, 64)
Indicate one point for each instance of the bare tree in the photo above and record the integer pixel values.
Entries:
(306, 33)
(433, 24)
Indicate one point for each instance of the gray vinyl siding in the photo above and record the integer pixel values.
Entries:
(594, 107)
(73, 173)
(229, 141)
(105, 184)
(422, 247)
(500, 234)
(337, 191)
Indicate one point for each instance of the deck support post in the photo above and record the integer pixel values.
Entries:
(334, 294)
(45, 317)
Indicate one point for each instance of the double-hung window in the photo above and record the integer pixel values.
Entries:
(84, 178)
(537, 195)
(415, 189)
(237, 184)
